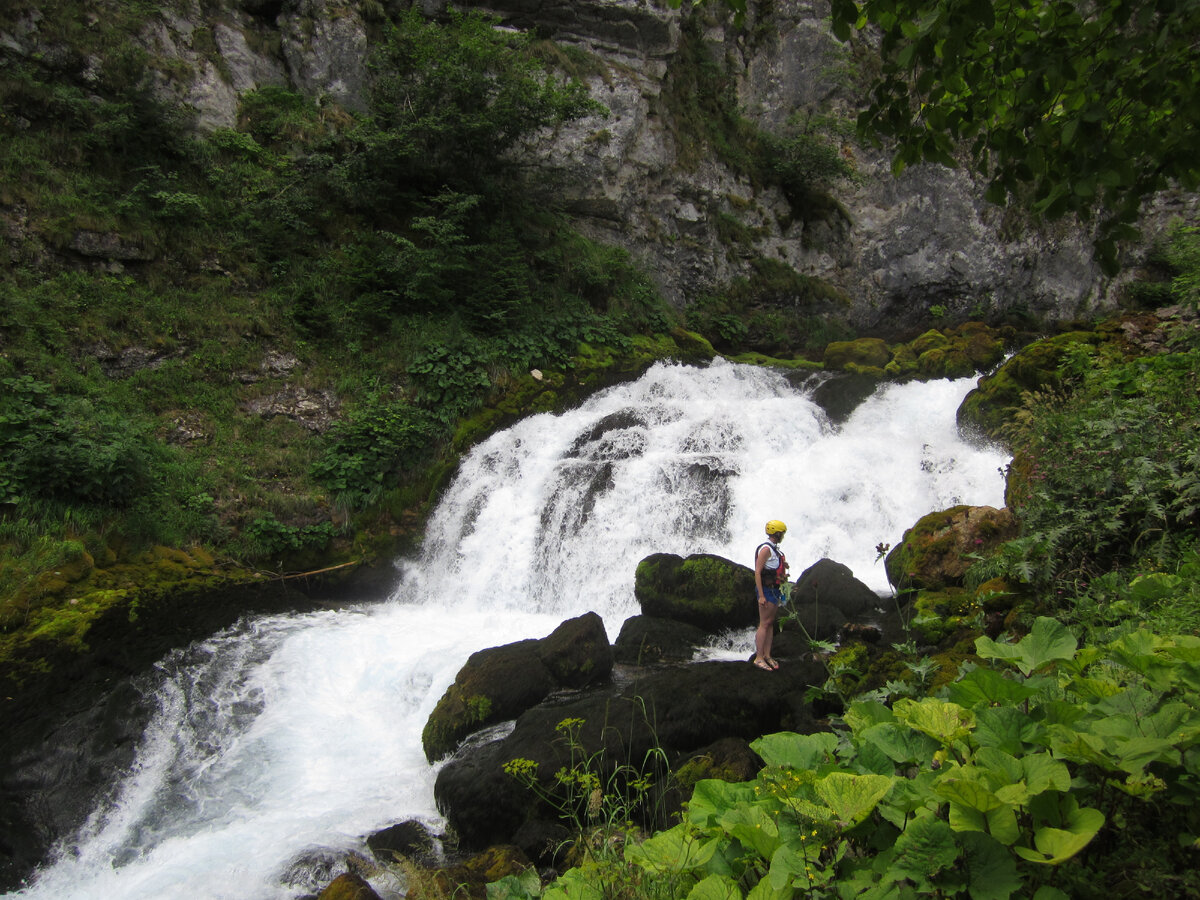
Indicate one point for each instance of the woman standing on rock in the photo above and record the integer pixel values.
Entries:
(770, 574)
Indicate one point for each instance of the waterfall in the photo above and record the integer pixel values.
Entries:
(280, 742)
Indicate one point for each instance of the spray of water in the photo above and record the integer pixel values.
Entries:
(281, 742)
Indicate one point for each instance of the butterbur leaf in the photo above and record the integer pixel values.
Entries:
(900, 743)
(924, 849)
(945, 722)
(672, 851)
(988, 686)
(573, 885)
(753, 827)
(711, 797)
(715, 887)
(1049, 640)
(968, 793)
(865, 713)
(991, 870)
(1044, 773)
(853, 797)
(1057, 845)
(796, 751)
(1005, 728)
(786, 865)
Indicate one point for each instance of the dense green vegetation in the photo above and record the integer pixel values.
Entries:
(390, 268)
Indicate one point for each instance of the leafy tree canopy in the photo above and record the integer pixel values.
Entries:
(1065, 108)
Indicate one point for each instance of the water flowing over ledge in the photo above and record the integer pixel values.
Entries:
(293, 736)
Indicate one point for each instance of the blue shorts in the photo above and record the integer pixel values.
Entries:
(773, 595)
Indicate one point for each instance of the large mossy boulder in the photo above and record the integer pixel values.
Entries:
(867, 355)
(500, 683)
(990, 406)
(936, 552)
(709, 592)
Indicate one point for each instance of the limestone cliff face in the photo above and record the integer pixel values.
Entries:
(896, 247)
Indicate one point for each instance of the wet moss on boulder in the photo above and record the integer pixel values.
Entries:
(937, 551)
(989, 407)
(862, 355)
(500, 683)
(709, 592)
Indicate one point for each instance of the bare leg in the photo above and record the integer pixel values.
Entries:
(765, 635)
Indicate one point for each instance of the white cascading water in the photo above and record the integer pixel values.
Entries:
(284, 740)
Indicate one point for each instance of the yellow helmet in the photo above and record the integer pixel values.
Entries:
(776, 527)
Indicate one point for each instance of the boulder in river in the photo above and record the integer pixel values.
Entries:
(645, 727)
(709, 592)
(500, 683)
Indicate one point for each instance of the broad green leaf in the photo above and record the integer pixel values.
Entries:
(945, 722)
(675, 850)
(865, 713)
(573, 885)
(1057, 845)
(1154, 587)
(908, 796)
(711, 797)
(969, 794)
(764, 891)
(524, 886)
(797, 751)
(853, 797)
(1047, 641)
(925, 848)
(715, 887)
(991, 869)
(998, 767)
(753, 827)
(1044, 773)
(1005, 728)
(787, 864)
(900, 743)
(987, 686)
(1000, 822)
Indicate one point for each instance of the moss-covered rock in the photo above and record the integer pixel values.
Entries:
(500, 683)
(937, 551)
(861, 355)
(709, 592)
(729, 759)
(940, 613)
(348, 886)
(990, 406)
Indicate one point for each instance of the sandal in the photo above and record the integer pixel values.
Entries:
(762, 664)
(771, 662)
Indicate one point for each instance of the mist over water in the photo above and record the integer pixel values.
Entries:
(281, 742)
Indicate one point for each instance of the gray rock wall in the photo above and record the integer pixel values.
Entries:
(895, 246)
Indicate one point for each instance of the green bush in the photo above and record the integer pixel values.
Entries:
(1109, 477)
(366, 455)
(66, 449)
